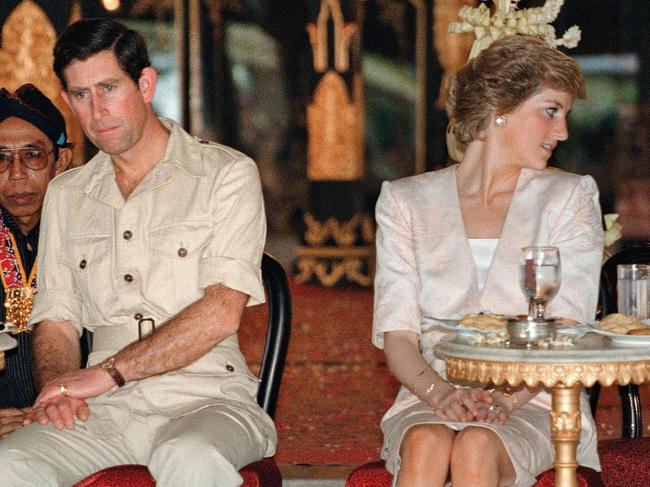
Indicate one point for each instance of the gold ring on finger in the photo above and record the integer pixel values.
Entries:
(63, 389)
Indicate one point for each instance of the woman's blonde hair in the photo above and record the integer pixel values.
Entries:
(502, 77)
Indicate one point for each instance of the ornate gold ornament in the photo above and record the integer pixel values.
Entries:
(319, 37)
(330, 264)
(28, 38)
(343, 233)
(336, 130)
(564, 423)
(350, 266)
(18, 306)
(548, 374)
(508, 20)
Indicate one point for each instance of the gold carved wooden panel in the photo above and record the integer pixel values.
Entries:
(335, 124)
(26, 56)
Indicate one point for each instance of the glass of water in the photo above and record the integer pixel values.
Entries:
(633, 286)
(539, 277)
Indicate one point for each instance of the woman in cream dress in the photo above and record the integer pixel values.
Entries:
(448, 244)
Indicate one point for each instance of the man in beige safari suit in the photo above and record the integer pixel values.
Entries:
(155, 246)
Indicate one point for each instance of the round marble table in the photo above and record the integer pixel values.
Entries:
(6, 343)
(594, 358)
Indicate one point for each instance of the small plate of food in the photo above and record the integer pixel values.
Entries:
(624, 329)
(473, 323)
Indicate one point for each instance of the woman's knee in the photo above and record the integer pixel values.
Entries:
(475, 445)
(423, 439)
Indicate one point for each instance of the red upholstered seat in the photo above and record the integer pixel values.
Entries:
(119, 476)
(586, 478)
(264, 473)
(625, 462)
(369, 475)
(375, 475)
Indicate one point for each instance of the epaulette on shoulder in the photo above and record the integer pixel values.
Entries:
(206, 142)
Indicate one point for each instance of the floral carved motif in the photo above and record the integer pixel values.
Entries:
(330, 273)
(548, 374)
(343, 233)
(565, 425)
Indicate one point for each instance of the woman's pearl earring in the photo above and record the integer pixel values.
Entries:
(500, 121)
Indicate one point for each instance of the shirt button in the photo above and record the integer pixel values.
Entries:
(182, 252)
(82, 264)
(138, 316)
(127, 235)
(230, 368)
(128, 277)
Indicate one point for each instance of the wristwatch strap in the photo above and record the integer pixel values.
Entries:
(109, 366)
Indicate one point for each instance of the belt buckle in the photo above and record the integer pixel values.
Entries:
(143, 322)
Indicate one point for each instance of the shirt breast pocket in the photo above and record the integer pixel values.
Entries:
(176, 252)
(87, 258)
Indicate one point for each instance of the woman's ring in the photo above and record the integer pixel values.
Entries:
(63, 389)
(495, 408)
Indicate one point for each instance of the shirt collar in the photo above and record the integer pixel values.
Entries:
(181, 152)
(97, 176)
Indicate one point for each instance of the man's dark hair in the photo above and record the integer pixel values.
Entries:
(87, 37)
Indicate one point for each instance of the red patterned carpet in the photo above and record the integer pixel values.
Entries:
(336, 386)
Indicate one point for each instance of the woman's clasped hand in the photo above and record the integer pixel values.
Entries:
(468, 404)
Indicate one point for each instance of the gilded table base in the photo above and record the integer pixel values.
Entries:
(2, 360)
(565, 380)
(565, 433)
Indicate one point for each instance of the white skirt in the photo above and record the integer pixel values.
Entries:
(526, 436)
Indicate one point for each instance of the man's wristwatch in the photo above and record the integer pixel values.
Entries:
(109, 366)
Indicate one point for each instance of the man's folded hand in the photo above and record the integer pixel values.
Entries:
(12, 419)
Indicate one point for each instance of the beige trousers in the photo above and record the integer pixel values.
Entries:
(204, 448)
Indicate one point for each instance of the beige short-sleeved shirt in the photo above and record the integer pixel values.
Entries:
(196, 219)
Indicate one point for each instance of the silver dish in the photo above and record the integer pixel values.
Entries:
(522, 331)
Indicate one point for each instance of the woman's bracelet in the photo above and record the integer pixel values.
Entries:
(417, 379)
(510, 394)
(429, 390)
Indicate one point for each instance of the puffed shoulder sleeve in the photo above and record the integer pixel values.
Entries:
(233, 257)
(578, 234)
(396, 279)
(57, 296)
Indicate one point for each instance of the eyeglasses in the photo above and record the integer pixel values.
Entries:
(31, 157)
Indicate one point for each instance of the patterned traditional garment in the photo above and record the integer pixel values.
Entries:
(18, 254)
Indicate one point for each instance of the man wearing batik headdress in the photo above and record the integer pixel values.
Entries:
(33, 149)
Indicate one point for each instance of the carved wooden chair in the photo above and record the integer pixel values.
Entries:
(263, 473)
